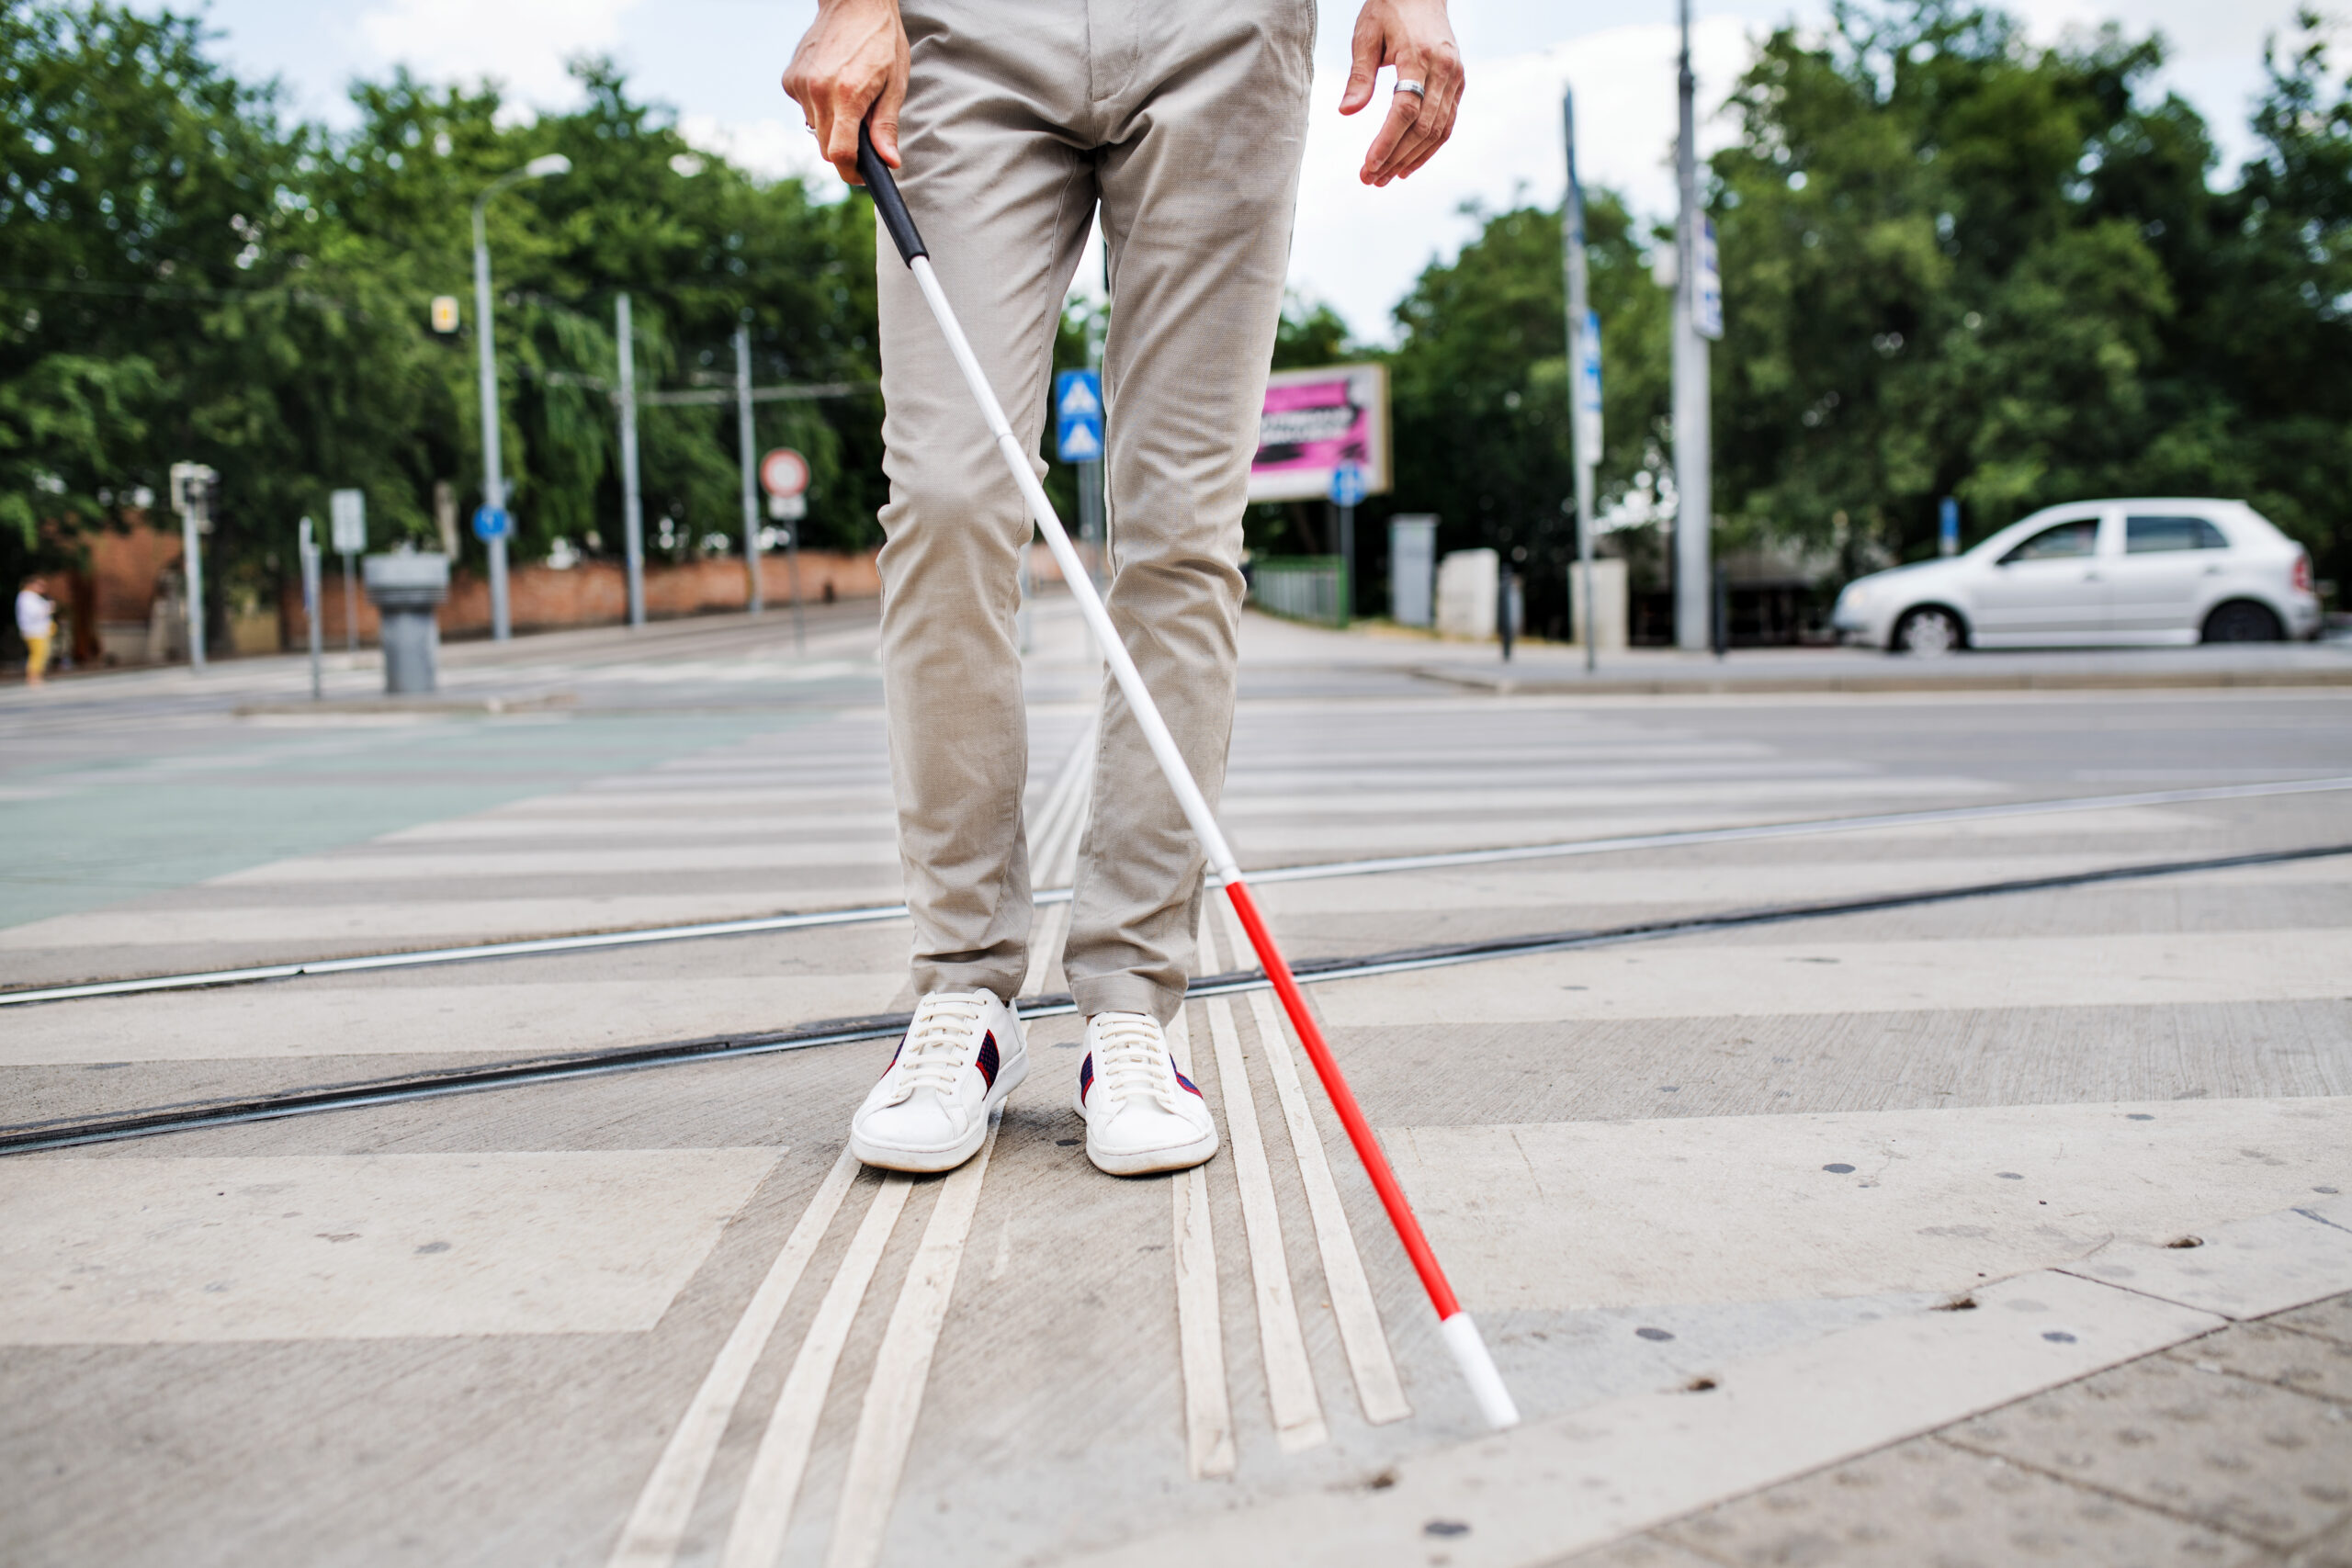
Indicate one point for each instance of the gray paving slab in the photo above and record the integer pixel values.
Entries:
(2266, 1465)
(1929, 1504)
(2267, 1352)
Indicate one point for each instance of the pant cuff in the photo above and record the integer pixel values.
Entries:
(1125, 993)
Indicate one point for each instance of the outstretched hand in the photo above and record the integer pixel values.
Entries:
(852, 60)
(1414, 36)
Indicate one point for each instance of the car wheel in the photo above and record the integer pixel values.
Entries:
(2242, 620)
(1928, 633)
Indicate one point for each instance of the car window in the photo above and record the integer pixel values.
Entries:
(2142, 535)
(2075, 536)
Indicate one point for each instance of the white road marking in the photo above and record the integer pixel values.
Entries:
(1547, 790)
(326, 927)
(1624, 1466)
(1550, 883)
(658, 1523)
(1712, 978)
(512, 1019)
(1362, 1334)
(1200, 1326)
(1290, 1377)
(357, 1246)
(594, 856)
(885, 1422)
(592, 819)
(1755, 1208)
(763, 1513)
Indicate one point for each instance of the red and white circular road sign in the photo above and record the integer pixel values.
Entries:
(783, 472)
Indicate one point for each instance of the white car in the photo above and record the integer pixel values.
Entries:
(2152, 571)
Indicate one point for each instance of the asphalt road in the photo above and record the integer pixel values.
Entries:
(1766, 1105)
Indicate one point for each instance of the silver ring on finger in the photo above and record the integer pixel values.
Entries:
(1413, 88)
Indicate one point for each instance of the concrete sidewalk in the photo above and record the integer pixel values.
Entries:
(1714, 1194)
(1540, 668)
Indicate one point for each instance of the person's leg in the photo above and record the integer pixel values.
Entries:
(36, 660)
(1199, 184)
(1004, 200)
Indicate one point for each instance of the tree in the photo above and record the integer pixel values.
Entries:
(1480, 385)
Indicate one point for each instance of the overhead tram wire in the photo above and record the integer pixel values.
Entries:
(33, 1138)
(756, 925)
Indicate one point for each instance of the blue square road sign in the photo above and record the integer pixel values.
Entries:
(1077, 416)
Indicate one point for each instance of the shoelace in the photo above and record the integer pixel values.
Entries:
(1131, 1059)
(937, 1042)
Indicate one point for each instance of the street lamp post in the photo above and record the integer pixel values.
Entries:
(493, 474)
(1694, 551)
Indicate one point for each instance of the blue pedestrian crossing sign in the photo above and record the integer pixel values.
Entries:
(491, 522)
(1077, 416)
(1349, 484)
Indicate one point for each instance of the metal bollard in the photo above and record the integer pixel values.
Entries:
(406, 590)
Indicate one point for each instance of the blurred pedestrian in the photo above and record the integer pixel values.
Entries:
(1183, 123)
(36, 622)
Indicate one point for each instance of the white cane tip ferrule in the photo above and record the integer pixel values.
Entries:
(1469, 1347)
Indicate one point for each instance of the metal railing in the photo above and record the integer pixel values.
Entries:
(1302, 588)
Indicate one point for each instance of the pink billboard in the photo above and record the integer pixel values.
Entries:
(1315, 420)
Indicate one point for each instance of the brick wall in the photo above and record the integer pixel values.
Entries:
(595, 593)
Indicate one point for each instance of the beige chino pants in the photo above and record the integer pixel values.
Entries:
(1184, 119)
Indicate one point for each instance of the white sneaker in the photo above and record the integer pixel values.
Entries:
(1141, 1114)
(960, 1058)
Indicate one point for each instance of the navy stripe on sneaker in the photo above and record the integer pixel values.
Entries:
(1183, 1079)
(987, 1059)
(1086, 1075)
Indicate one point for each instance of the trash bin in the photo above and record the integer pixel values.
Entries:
(406, 590)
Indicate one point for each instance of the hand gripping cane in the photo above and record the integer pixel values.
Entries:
(1461, 1335)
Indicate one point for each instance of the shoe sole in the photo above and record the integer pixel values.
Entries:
(1152, 1162)
(928, 1162)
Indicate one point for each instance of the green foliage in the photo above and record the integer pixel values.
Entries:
(1480, 387)
(1954, 264)
(185, 276)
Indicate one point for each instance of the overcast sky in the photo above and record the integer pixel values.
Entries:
(717, 61)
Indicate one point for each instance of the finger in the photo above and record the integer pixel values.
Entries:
(884, 119)
(1364, 65)
(1404, 108)
(1442, 133)
(1432, 126)
(837, 132)
(1429, 130)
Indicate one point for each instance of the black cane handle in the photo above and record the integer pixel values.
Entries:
(887, 200)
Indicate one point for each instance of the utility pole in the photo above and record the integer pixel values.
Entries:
(743, 445)
(493, 471)
(632, 507)
(1584, 360)
(1693, 553)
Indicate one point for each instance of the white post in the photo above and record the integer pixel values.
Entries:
(750, 460)
(1584, 452)
(192, 557)
(632, 505)
(310, 553)
(1693, 554)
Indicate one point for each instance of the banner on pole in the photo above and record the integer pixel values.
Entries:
(1707, 297)
(1588, 387)
(1317, 420)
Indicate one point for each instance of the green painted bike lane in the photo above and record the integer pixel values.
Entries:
(81, 835)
